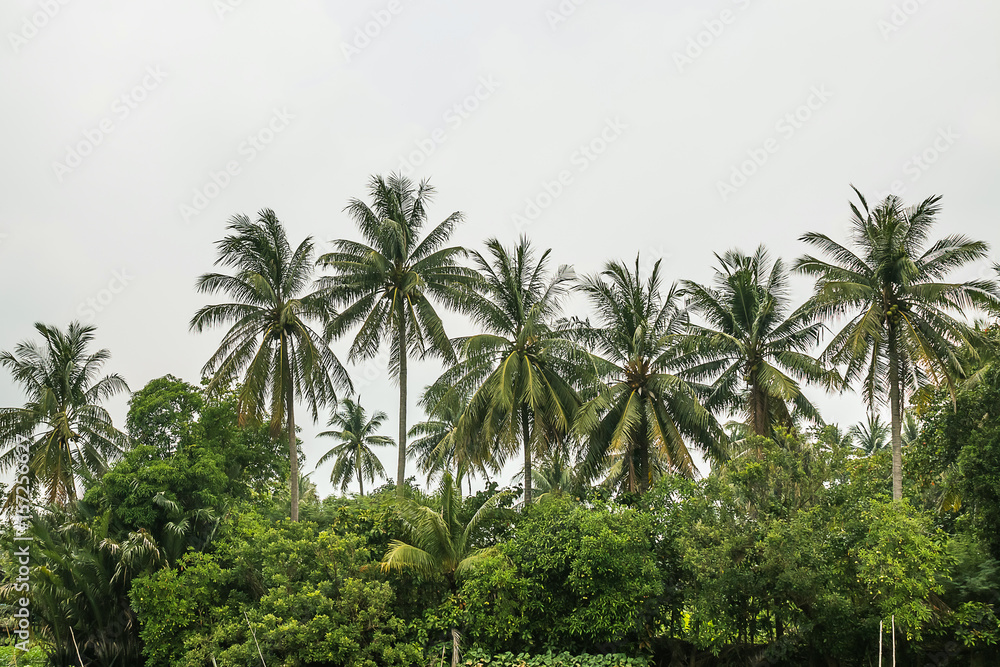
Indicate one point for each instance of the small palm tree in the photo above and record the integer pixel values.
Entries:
(353, 455)
(645, 412)
(902, 328)
(437, 542)
(67, 432)
(437, 447)
(870, 436)
(752, 347)
(271, 345)
(519, 374)
(387, 286)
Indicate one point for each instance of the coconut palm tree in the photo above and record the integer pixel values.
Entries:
(436, 542)
(870, 436)
(387, 285)
(436, 446)
(63, 426)
(645, 411)
(353, 455)
(519, 374)
(751, 347)
(902, 327)
(272, 345)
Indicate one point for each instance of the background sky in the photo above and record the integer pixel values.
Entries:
(133, 131)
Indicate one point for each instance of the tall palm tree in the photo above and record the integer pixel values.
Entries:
(902, 327)
(644, 411)
(271, 344)
(353, 455)
(67, 432)
(386, 287)
(436, 541)
(752, 348)
(519, 374)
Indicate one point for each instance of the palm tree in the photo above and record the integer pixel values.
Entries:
(519, 374)
(870, 436)
(386, 286)
(753, 348)
(644, 411)
(67, 432)
(353, 455)
(901, 327)
(271, 345)
(555, 476)
(438, 544)
(437, 447)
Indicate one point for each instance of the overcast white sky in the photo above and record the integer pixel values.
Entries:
(118, 114)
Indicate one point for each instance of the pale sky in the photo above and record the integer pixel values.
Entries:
(133, 131)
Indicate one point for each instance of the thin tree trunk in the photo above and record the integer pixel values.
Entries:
(643, 456)
(401, 342)
(895, 407)
(526, 435)
(759, 407)
(361, 477)
(293, 454)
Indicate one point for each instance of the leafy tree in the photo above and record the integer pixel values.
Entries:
(574, 578)
(353, 455)
(305, 597)
(645, 410)
(752, 348)
(161, 413)
(67, 431)
(271, 345)
(387, 286)
(902, 327)
(519, 374)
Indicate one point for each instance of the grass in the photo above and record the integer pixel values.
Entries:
(33, 658)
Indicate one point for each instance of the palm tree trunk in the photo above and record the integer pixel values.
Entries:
(759, 407)
(361, 477)
(896, 410)
(643, 455)
(293, 454)
(526, 435)
(401, 342)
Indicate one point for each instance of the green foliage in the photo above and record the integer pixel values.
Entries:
(564, 659)
(161, 413)
(572, 578)
(956, 459)
(35, 657)
(310, 596)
